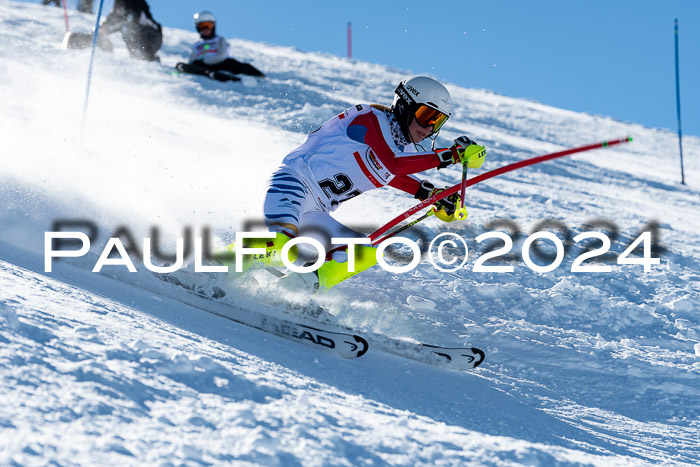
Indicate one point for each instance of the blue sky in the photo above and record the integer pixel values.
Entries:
(607, 57)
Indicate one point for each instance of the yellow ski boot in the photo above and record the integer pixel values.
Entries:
(331, 273)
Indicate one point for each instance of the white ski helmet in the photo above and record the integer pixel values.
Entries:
(424, 99)
(204, 17)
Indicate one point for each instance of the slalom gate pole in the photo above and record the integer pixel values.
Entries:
(65, 14)
(678, 104)
(375, 236)
(89, 76)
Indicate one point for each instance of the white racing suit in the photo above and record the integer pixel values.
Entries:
(210, 51)
(356, 151)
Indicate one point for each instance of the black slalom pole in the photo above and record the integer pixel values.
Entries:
(678, 105)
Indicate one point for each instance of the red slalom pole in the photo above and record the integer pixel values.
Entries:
(485, 176)
(65, 14)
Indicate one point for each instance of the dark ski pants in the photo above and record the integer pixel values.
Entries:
(142, 41)
(232, 66)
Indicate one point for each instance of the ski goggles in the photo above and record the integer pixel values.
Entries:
(205, 25)
(427, 116)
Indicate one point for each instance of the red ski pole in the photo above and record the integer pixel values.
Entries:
(485, 176)
(463, 192)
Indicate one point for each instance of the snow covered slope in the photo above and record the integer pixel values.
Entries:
(581, 368)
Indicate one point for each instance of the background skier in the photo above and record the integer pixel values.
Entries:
(210, 55)
(141, 33)
(364, 147)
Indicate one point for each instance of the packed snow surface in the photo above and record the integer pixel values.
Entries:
(581, 367)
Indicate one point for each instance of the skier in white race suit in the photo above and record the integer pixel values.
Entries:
(363, 148)
(210, 55)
